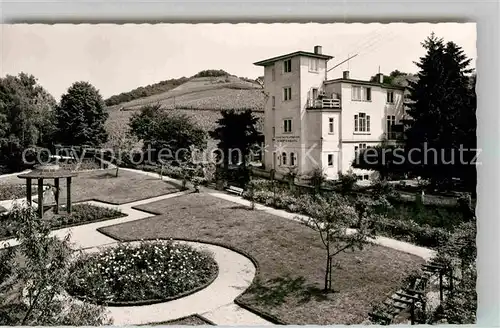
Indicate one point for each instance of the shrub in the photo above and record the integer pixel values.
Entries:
(8, 192)
(81, 213)
(150, 271)
(347, 182)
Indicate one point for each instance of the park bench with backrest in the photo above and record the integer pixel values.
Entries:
(235, 190)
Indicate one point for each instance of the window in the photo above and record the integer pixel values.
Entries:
(362, 123)
(368, 94)
(356, 92)
(287, 93)
(273, 101)
(330, 160)
(283, 158)
(391, 121)
(293, 159)
(361, 93)
(274, 131)
(287, 66)
(331, 125)
(273, 74)
(313, 64)
(287, 125)
(359, 148)
(390, 97)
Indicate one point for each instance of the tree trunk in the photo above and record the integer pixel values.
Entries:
(328, 267)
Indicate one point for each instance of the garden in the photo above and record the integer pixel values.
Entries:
(427, 225)
(288, 287)
(145, 273)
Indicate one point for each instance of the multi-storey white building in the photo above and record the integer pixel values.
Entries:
(312, 122)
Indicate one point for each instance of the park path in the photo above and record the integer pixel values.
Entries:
(216, 302)
(402, 246)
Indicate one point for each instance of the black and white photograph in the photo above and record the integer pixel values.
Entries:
(238, 174)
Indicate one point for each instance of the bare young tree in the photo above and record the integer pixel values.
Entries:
(333, 219)
(121, 143)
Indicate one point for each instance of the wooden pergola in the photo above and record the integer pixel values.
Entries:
(42, 172)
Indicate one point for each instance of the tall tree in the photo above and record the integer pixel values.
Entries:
(175, 135)
(27, 114)
(81, 116)
(442, 114)
(237, 133)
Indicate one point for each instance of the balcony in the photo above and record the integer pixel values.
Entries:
(323, 103)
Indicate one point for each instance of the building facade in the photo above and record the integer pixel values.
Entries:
(312, 122)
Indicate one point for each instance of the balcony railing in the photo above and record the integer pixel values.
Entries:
(324, 103)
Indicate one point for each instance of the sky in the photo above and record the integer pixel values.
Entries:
(119, 58)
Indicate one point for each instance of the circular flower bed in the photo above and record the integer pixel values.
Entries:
(146, 273)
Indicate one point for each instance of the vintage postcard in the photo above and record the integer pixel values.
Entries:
(238, 174)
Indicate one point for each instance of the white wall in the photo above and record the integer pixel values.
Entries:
(311, 129)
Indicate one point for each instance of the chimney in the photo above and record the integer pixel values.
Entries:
(317, 50)
(380, 78)
(345, 75)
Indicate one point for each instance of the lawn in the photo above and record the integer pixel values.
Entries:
(289, 255)
(104, 186)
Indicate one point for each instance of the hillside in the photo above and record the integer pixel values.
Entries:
(200, 98)
(214, 93)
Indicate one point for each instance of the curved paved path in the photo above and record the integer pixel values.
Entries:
(235, 275)
(215, 302)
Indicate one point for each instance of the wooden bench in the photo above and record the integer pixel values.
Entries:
(235, 190)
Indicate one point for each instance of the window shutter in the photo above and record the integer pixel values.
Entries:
(367, 122)
(355, 122)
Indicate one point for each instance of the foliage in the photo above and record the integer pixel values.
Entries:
(27, 114)
(81, 116)
(81, 213)
(443, 116)
(37, 283)
(121, 143)
(317, 178)
(426, 225)
(385, 159)
(146, 91)
(149, 271)
(170, 136)
(332, 218)
(8, 191)
(347, 182)
(390, 79)
(211, 73)
(460, 254)
(236, 134)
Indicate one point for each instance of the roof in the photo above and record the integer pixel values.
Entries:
(266, 62)
(47, 172)
(35, 174)
(382, 85)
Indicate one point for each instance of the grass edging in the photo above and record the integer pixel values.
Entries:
(71, 225)
(263, 314)
(150, 301)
